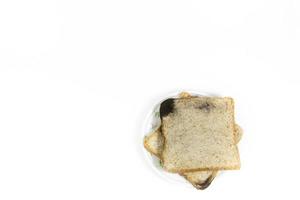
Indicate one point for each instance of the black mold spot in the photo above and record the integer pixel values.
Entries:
(166, 107)
(206, 107)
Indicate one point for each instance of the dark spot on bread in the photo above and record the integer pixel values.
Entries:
(205, 184)
(166, 107)
(206, 107)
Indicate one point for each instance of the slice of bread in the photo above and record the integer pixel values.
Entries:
(198, 134)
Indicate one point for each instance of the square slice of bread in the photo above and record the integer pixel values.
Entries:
(198, 134)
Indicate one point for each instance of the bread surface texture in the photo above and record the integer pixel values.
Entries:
(201, 180)
(198, 134)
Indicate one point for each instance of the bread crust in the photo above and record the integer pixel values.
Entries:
(147, 146)
(201, 185)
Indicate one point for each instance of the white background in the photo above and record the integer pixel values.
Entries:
(77, 79)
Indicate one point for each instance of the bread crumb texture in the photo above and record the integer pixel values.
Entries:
(199, 135)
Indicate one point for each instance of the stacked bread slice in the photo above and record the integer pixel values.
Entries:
(197, 137)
